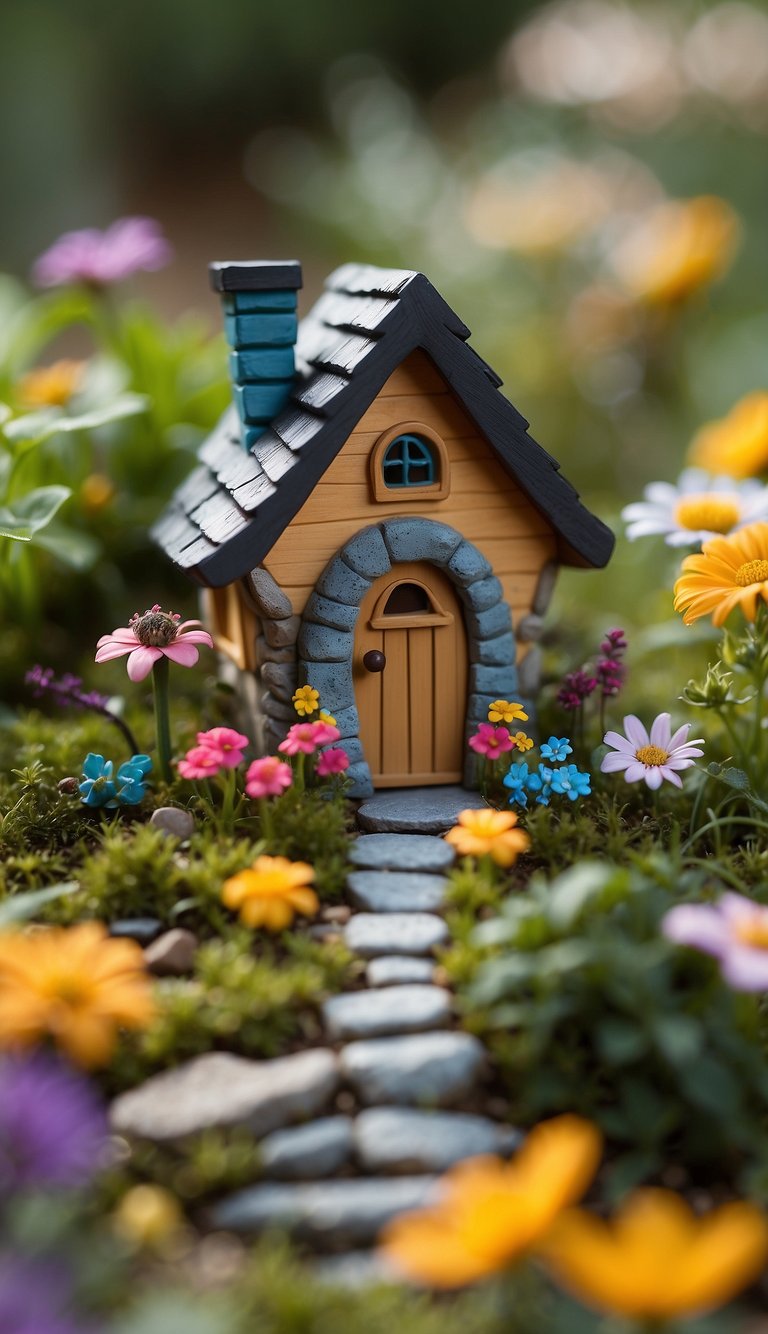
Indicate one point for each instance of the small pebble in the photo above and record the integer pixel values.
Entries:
(173, 820)
(172, 954)
(142, 929)
(338, 913)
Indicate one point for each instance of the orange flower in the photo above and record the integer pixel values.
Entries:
(481, 833)
(491, 1213)
(677, 248)
(271, 892)
(735, 445)
(656, 1260)
(728, 572)
(74, 985)
(51, 386)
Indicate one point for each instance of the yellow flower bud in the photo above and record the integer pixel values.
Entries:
(148, 1216)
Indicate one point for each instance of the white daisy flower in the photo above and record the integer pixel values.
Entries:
(696, 508)
(653, 758)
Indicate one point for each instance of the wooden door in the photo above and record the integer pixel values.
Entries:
(412, 710)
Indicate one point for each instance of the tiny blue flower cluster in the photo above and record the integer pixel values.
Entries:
(544, 782)
(126, 788)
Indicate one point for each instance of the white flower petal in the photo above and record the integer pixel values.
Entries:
(661, 732)
(635, 731)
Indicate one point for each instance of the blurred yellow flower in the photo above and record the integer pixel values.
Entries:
(148, 1216)
(305, 700)
(539, 206)
(481, 833)
(522, 741)
(736, 445)
(502, 711)
(491, 1213)
(271, 892)
(51, 386)
(657, 1260)
(74, 985)
(96, 491)
(728, 572)
(677, 248)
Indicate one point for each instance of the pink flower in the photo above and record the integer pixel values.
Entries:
(150, 637)
(301, 738)
(651, 758)
(268, 777)
(324, 733)
(332, 762)
(103, 257)
(227, 744)
(491, 741)
(200, 762)
(734, 929)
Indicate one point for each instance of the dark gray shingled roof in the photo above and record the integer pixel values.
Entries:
(230, 511)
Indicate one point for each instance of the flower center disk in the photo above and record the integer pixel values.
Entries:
(753, 572)
(754, 932)
(652, 756)
(155, 629)
(708, 512)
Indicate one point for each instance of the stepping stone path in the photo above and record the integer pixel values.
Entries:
(354, 1133)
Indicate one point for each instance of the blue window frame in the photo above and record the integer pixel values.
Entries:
(409, 461)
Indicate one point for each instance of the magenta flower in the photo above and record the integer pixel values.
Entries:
(491, 741)
(150, 637)
(734, 930)
(200, 762)
(101, 258)
(575, 688)
(653, 758)
(227, 744)
(331, 762)
(324, 733)
(53, 1128)
(268, 777)
(301, 739)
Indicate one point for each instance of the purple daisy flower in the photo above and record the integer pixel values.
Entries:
(34, 1298)
(651, 758)
(53, 1129)
(101, 258)
(734, 930)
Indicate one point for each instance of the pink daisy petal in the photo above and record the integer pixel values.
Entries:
(635, 772)
(680, 737)
(654, 778)
(635, 732)
(110, 651)
(195, 637)
(620, 742)
(186, 655)
(141, 662)
(666, 772)
(679, 762)
(696, 924)
(120, 636)
(614, 762)
(661, 732)
(746, 969)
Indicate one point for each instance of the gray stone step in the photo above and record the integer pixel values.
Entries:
(416, 810)
(370, 1014)
(396, 891)
(370, 934)
(398, 970)
(400, 1139)
(355, 1270)
(327, 1213)
(219, 1089)
(432, 1069)
(305, 1153)
(401, 852)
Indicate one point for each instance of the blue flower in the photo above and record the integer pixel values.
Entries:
(541, 782)
(556, 749)
(97, 788)
(132, 778)
(570, 782)
(517, 779)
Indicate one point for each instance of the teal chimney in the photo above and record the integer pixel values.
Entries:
(259, 299)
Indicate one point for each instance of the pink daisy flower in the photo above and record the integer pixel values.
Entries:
(200, 762)
(651, 758)
(491, 741)
(151, 636)
(332, 762)
(324, 733)
(734, 930)
(226, 742)
(300, 739)
(268, 777)
(103, 257)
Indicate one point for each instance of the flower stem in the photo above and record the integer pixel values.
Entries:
(162, 718)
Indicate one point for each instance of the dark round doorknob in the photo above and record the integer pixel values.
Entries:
(373, 661)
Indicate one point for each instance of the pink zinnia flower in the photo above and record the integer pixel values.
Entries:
(651, 758)
(150, 637)
(491, 741)
(332, 762)
(200, 762)
(268, 777)
(734, 929)
(324, 733)
(301, 738)
(103, 257)
(226, 742)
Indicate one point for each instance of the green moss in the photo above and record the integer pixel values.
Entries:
(314, 826)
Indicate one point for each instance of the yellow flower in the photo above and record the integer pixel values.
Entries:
(96, 492)
(728, 572)
(51, 386)
(658, 1260)
(677, 248)
(76, 986)
(736, 445)
(271, 892)
(325, 717)
(522, 742)
(148, 1216)
(306, 700)
(486, 832)
(501, 711)
(490, 1213)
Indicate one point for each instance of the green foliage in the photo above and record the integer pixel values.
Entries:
(313, 826)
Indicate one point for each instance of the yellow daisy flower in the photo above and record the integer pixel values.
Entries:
(484, 832)
(305, 700)
(735, 445)
(51, 386)
(502, 711)
(522, 741)
(271, 892)
(728, 572)
(677, 248)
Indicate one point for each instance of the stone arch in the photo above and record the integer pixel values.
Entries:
(326, 636)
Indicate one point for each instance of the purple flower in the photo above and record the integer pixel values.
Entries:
(576, 687)
(102, 258)
(651, 758)
(53, 1129)
(34, 1298)
(67, 690)
(734, 930)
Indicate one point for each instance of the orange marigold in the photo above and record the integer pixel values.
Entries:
(735, 445)
(271, 892)
(51, 386)
(484, 832)
(728, 572)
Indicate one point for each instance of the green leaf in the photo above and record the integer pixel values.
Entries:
(574, 889)
(738, 780)
(36, 427)
(21, 907)
(620, 1042)
(32, 512)
(679, 1037)
(78, 550)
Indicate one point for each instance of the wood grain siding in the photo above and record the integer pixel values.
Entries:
(485, 505)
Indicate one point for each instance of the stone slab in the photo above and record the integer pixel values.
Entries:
(396, 891)
(305, 1153)
(416, 810)
(368, 1014)
(391, 970)
(400, 1139)
(219, 1089)
(401, 852)
(328, 1213)
(370, 934)
(431, 1069)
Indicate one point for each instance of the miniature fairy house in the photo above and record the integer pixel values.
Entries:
(371, 517)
